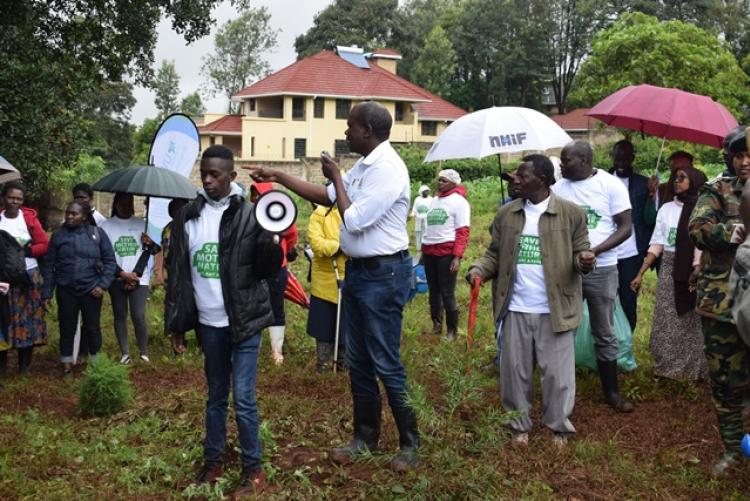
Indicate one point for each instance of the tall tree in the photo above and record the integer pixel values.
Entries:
(54, 54)
(415, 19)
(641, 49)
(436, 65)
(192, 105)
(166, 88)
(107, 109)
(240, 46)
(571, 25)
(365, 23)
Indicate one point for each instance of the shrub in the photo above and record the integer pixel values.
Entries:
(105, 388)
(469, 168)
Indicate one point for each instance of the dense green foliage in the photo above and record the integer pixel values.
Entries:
(469, 169)
(105, 388)
(192, 105)
(166, 88)
(641, 49)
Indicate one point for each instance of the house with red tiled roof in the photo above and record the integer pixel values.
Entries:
(301, 110)
(577, 124)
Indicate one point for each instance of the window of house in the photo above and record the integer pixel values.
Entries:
(340, 148)
(429, 128)
(283, 147)
(342, 108)
(300, 147)
(252, 146)
(251, 104)
(298, 108)
(399, 112)
(319, 108)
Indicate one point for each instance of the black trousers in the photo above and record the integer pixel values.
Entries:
(627, 269)
(442, 284)
(69, 304)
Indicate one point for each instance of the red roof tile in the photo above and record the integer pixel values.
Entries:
(326, 74)
(228, 123)
(576, 120)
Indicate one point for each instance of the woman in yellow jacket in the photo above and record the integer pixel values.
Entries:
(323, 237)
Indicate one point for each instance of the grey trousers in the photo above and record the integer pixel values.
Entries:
(137, 301)
(528, 337)
(600, 292)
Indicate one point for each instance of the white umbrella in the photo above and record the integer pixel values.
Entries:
(505, 129)
(8, 172)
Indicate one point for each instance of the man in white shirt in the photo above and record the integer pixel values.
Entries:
(373, 200)
(220, 258)
(607, 205)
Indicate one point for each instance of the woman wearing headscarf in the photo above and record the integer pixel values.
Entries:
(27, 327)
(676, 335)
(443, 246)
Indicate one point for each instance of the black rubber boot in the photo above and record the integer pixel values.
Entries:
(451, 322)
(408, 439)
(608, 377)
(3, 361)
(24, 359)
(437, 325)
(366, 430)
(324, 357)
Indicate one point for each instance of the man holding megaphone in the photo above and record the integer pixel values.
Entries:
(373, 200)
(220, 259)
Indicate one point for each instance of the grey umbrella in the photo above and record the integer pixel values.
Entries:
(7, 171)
(147, 181)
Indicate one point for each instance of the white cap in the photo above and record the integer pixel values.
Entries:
(424, 187)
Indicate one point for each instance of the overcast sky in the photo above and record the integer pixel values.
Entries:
(290, 17)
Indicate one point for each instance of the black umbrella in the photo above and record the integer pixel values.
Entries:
(147, 181)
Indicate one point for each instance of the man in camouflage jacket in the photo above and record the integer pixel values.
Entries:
(711, 227)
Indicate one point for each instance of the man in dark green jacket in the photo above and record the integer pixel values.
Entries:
(539, 249)
(714, 228)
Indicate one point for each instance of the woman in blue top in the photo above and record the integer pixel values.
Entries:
(81, 263)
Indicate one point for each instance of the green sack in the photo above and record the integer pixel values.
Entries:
(584, 341)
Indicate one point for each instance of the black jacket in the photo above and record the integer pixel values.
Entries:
(247, 256)
(638, 191)
(79, 259)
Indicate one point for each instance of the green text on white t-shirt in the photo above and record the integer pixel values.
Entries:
(672, 237)
(529, 251)
(592, 217)
(126, 246)
(436, 216)
(206, 260)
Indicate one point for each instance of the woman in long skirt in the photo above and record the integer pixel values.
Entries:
(676, 335)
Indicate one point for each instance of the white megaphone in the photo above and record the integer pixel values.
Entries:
(275, 211)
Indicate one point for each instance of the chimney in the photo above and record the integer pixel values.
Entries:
(386, 58)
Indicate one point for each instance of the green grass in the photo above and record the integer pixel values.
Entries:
(152, 449)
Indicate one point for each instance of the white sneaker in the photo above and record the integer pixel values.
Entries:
(559, 441)
(125, 360)
(145, 359)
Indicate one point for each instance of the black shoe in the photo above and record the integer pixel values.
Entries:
(610, 387)
(366, 430)
(251, 484)
(408, 439)
(451, 321)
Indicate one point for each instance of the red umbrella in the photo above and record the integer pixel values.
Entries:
(475, 285)
(666, 113)
(294, 291)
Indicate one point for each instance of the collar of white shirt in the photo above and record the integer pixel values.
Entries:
(377, 153)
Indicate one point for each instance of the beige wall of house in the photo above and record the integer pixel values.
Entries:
(275, 132)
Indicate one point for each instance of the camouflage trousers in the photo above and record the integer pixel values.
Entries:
(729, 370)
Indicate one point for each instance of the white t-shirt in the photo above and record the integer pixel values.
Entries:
(665, 231)
(98, 217)
(629, 247)
(446, 214)
(203, 245)
(17, 229)
(125, 235)
(529, 290)
(601, 196)
(419, 211)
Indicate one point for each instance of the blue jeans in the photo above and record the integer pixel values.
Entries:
(223, 359)
(372, 307)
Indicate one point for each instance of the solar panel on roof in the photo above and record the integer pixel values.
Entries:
(353, 55)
